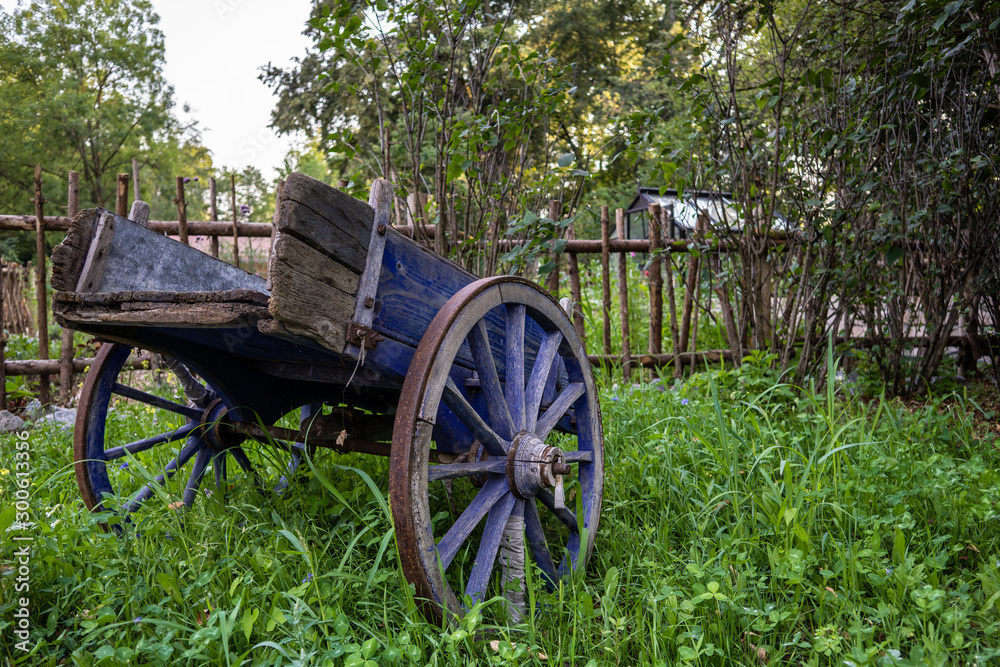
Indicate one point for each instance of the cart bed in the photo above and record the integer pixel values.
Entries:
(121, 281)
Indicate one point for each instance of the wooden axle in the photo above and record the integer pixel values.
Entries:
(322, 437)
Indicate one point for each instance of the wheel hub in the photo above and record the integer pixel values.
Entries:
(218, 433)
(533, 466)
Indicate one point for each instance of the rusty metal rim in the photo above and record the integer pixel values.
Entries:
(403, 437)
(406, 436)
(83, 415)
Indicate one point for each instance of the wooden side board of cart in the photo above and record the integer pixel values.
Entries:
(378, 346)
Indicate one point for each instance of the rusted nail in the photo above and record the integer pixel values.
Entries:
(369, 302)
(560, 468)
(381, 230)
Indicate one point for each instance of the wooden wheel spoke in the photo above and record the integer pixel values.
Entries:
(567, 517)
(540, 376)
(580, 456)
(293, 465)
(559, 407)
(148, 443)
(201, 461)
(469, 469)
(488, 496)
(219, 465)
(192, 447)
(242, 459)
(486, 556)
(467, 414)
(240, 455)
(538, 544)
(156, 401)
(496, 404)
(514, 384)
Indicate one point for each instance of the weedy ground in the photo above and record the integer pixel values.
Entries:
(745, 522)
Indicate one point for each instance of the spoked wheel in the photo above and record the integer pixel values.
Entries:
(531, 479)
(120, 468)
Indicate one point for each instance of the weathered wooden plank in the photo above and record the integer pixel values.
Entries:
(111, 298)
(327, 219)
(380, 200)
(139, 259)
(312, 295)
(97, 255)
(181, 315)
(68, 257)
(414, 285)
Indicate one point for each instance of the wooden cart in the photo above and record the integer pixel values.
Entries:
(381, 347)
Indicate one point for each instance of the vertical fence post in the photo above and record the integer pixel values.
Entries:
(694, 267)
(236, 230)
(623, 296)
(136, 196)
(3, 344)
(213, 213)
(606, 277)
(66, 342)
(694, 325)
(655, 282)
(121, 196)
(553, 280)
(182, 220)
(666, 221)
(44, 394)
(576, 294)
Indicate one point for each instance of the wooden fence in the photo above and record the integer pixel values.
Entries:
(683, 330)
(13, 283)
(11, 302)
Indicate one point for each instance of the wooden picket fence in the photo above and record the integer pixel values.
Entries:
(681, 309)
(13, 315)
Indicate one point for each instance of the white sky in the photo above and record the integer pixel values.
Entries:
(214, 51)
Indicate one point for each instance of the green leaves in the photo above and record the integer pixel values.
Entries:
(893, 255)
(949, 10)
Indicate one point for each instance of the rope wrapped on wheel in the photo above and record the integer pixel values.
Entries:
(512, 567)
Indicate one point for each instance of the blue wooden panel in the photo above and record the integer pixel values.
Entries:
(416, 283)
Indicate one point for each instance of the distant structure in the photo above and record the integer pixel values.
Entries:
(718, 206)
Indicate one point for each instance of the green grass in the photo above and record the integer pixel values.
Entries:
(745, 522)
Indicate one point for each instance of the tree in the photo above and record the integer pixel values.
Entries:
(441, 98)
(458, 76)
(81, 87)
(873, 128)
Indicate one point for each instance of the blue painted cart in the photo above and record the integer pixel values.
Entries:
(479, 390)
